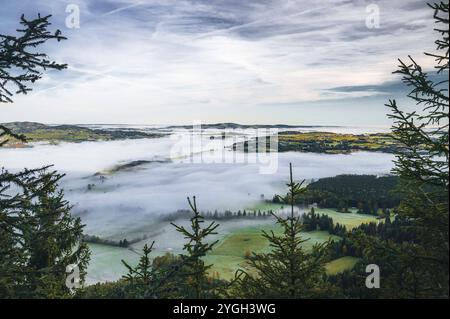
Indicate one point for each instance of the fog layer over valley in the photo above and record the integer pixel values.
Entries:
(114, 199)
(120, 189)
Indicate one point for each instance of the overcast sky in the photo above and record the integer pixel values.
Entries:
(267, 61)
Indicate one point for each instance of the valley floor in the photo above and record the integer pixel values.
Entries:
(237, 239)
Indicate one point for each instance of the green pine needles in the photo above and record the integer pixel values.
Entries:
(287, 271)
(182, 276)
(196, 248)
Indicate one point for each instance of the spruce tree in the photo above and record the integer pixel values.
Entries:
(287, 271)
(21, 64)
(418, 268)
(141, 278)
(182, 276)
(39, 237)
(423, 163)
(142, 272)
(194, 269)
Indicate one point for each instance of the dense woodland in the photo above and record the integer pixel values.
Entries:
(39, 237)
(367, 193)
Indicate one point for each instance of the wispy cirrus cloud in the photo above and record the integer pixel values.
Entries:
(153, 61)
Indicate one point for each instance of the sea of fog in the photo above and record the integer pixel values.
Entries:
(127, 203)
(177, 167)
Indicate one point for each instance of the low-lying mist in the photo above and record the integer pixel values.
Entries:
(117, 203)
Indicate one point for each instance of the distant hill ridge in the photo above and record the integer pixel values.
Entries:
(36, 132)
(27, 127)
(246, 126)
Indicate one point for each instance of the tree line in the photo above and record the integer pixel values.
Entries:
(220, 215)
(369, 194)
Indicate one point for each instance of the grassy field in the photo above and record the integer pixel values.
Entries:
(229, 254)
(341, 264)
(234, 244)
(350, 220)
(106, 262)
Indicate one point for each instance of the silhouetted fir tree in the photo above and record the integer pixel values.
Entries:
(287, 271)
(423, 163)
(420, 269)
(142, 273)
(194, 269)
(21, 65)
(149, 279)
(38, 236)
(170, 276)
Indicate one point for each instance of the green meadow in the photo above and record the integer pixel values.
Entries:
(341, 264)
(231, 250)
(235, 243)
(350, 220)
(229, 254)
